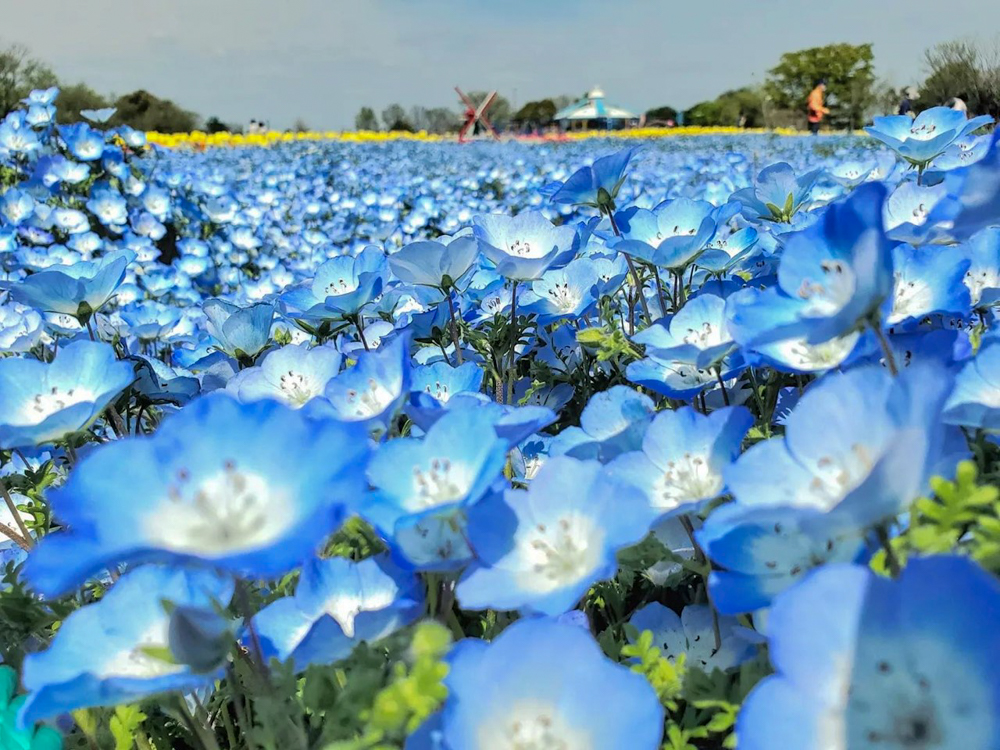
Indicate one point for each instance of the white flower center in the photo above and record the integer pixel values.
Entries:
(835, 476)
(296, 388)
(909, 299)
(340, 286)
(687, 479)
(438, 484)
(49, 402)
(524, 249)
(134, 662)
(705, 337)
(530, 725)
(564, 298)
(230, 511)
(981, 279)
(561, 552)
(832, 292)
(369, 402)
(805, 356)
(439, 391)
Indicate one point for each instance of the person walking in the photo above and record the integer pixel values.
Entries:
(816, 106)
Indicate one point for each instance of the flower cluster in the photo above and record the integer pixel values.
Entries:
(666, 440)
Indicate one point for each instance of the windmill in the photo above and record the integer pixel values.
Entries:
(476, 114)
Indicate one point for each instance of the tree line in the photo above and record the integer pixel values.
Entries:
(20, 73)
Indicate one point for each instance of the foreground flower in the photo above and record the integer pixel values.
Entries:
(596, 185)
(240, 332)
(546, 684)
(613, 422)
(116, 650)
(436, 264)
(833, 277)
(44, 402)
(683, 454)
(920, 140)
(523, 247)
(294, 375)
(79, 290)
(453, 466)
(249, 488)
(870, 662)
(846, 445)
(539, 550)
(692, 633)
(338, 604)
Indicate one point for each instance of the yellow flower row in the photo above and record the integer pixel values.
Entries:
(198, 140)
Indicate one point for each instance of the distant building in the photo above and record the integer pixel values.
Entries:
(593, 113)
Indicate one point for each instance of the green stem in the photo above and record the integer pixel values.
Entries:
(890, 359)
(454, 330)
(891, 560)
(512, 367)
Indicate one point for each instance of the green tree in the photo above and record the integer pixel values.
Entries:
(849, 75)
(143, 111)
(366, 119)
(394, 118)
(963, 69)
(745, 105)
(442, 120)
(300, 126)
(75, 98)
(537, 114)
(661, 114)
(20, 73)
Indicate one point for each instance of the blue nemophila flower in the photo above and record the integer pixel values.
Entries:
(850, 459)
(436, 264)
(834, 275)
(16, 206)
(870, 662)
(777, 194)
(926, 281)
(432, 386)
(44, 402)
(975, 402)
(20, 327)
(727, 251)
(294, 374)
(613, 422)
(692, 633)
(672, 235)
(337, 604)
(683, 456)
(16, 135)
(340, 288)
(42, 97)
(85, 143)
(149, 320)
(512, 423)
(851, 173)
(920, 140)
(539, 550)
(761, 551)
(116, 651)
(452, 466)
(983, 276)
(249, 488)
(907, 213)
(374, 389)
(523, 247)
(240, 332)
(79, 290)
(596, 185)
(568, 292)
(973, 201)
(697, 333)
(546, 684)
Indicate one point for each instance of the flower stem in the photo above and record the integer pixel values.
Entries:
(513, 345)
(725, 393)
(454, 330)
(632, 270)
(890, 359)
(361, 333)
(891, 560)
(659, 292)
(9, 501)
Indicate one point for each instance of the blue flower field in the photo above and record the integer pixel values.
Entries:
(608, 444)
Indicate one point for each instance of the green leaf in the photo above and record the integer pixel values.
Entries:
(125, 724)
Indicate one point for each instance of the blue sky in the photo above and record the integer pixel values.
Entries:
(323, 59)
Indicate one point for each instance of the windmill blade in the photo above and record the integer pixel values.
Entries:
(486, 103)
(468, 103)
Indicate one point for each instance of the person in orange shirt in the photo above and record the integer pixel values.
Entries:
(815, 106)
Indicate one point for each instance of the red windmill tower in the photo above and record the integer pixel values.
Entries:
(476, 115)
